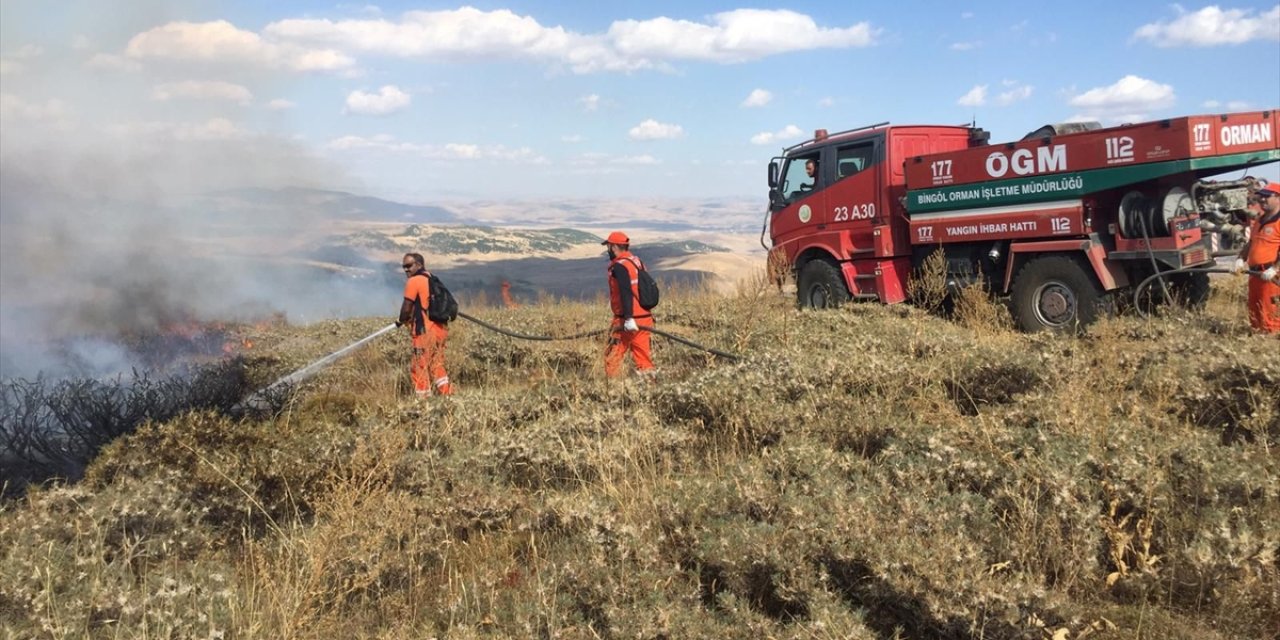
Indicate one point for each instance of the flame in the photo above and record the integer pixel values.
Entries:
(506, 296)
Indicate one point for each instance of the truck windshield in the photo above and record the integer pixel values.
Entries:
(801, 177)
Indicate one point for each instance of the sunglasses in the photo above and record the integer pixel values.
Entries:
(408, 266)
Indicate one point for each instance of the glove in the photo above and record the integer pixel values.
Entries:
(1269, 274)
(1240, 266)
(630, 324)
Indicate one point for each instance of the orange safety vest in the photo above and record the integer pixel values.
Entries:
(1264, 243)
(419, 293)
(632, 265)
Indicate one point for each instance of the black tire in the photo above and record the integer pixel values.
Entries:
(1187, 290)
(1191, 290)
(820, 286)
(1056, 293)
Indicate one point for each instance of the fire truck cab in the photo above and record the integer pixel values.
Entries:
(1058, 221)
(844, 230)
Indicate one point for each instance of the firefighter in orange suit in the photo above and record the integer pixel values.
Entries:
(427, 366)
(1260, 257)
(629, 331)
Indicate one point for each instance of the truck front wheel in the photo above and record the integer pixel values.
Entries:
(1055, 293)
(820, 286)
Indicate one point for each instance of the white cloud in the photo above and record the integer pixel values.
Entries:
(628, 45)
(448, 151)
(653, 130)
(1232, 105)
(214, 129)
(635, 160)
(1017, 93)
(1130, 98)
(789, 132)
(827, 102)
(733, 36)
(1212, 26)
(202, 90)
(280, 104)
(758, 98)
(53, 111)
(27, 51)
(596, 163)
(111, 62)
(222, 42)
(976, 97)
(388, 99)
(430, 33)
(966, 46)
(572, 138)
(12, 63)
(590, 102)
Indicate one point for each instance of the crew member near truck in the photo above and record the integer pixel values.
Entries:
(629, 331)
(811, 171)
(1259, 256)
(427, 366)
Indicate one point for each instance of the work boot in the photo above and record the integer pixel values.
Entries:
(443, 387)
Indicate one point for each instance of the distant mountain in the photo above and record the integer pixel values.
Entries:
(337, 205)
(471, 242)
(490, 240)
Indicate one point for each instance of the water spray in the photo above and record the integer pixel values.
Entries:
(259, 399)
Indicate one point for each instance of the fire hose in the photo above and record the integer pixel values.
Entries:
(1137, 291)
(259, 398)
(596, 332)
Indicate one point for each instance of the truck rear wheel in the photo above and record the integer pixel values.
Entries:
(820, 286)
(1192, 289)
(1055, 293)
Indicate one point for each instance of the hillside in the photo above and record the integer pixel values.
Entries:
(322, 204)
(475, 260)
(873, 472)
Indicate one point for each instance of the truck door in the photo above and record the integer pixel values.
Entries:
(855, 200)
(798, 207)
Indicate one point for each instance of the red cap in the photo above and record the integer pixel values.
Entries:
(617, 237)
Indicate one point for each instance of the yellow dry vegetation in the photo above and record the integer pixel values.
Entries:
(868, 472)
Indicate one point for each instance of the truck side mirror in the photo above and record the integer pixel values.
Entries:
(773, 174)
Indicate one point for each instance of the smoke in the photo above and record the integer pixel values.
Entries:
(106, 229)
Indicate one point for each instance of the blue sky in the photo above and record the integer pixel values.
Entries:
(430, 101)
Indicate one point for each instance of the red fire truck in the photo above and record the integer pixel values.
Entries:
(1060, 222)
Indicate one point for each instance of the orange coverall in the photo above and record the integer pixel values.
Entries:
(427, 366)
(1264, 297)
(624, 300)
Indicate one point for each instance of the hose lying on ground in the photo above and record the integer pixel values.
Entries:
(258, 399)
(1137, 291)
(522, 336)
(595, 332)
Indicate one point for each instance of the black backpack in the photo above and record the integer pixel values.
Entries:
(645, 286)
(441, 307)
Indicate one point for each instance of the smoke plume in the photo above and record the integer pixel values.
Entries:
(106, 227)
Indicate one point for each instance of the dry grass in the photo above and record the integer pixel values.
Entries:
(873, 472)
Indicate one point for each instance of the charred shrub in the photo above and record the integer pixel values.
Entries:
(52, 429)
(1239, 400)
(993, 384)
